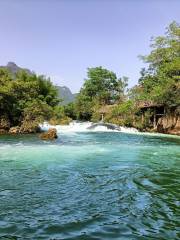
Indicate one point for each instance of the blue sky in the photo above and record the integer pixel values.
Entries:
(62, 38)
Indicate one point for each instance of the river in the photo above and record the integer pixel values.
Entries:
(98, 184)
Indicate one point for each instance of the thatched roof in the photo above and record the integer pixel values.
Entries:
(148, 104)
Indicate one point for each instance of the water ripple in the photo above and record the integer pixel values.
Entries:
(110, 187)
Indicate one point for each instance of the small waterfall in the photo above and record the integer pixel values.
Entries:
(76, 126)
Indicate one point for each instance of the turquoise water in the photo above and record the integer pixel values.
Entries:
(90, 186)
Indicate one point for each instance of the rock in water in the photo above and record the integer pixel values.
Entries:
(107, 125)
(3, 131)
(14, 130)
(29, 126)
(49, 135)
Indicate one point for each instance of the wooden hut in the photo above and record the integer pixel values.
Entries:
(158, 110)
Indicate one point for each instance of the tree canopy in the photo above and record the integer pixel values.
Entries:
(160, 82)
(101, 87)
(25, 95)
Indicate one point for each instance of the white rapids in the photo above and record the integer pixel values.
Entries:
(76, 126)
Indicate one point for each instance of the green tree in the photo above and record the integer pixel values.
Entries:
(26, 97)
(69, 110)
(161, 80)
(101, 87)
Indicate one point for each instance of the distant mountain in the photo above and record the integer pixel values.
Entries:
(64, 92)
(12, 67)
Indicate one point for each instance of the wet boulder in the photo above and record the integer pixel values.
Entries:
(51, 134)
(14, 130)
(29, 126)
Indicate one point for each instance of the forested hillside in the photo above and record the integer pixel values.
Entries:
(66, 95)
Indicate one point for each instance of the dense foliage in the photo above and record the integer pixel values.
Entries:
(101, 87)
(26, 97)
(160, 82)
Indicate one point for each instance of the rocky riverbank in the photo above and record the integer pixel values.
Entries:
(169, 124)
(27, 127)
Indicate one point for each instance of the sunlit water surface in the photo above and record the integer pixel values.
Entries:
(90, 186)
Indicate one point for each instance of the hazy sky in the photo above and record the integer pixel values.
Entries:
(61, 38)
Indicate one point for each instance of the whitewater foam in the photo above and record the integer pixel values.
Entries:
(76, 126)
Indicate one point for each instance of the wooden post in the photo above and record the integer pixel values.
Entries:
(142, 117)
(154, 121)
(102, 117)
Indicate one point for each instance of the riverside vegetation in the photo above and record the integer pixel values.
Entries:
(27, 99)
(159, 83)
